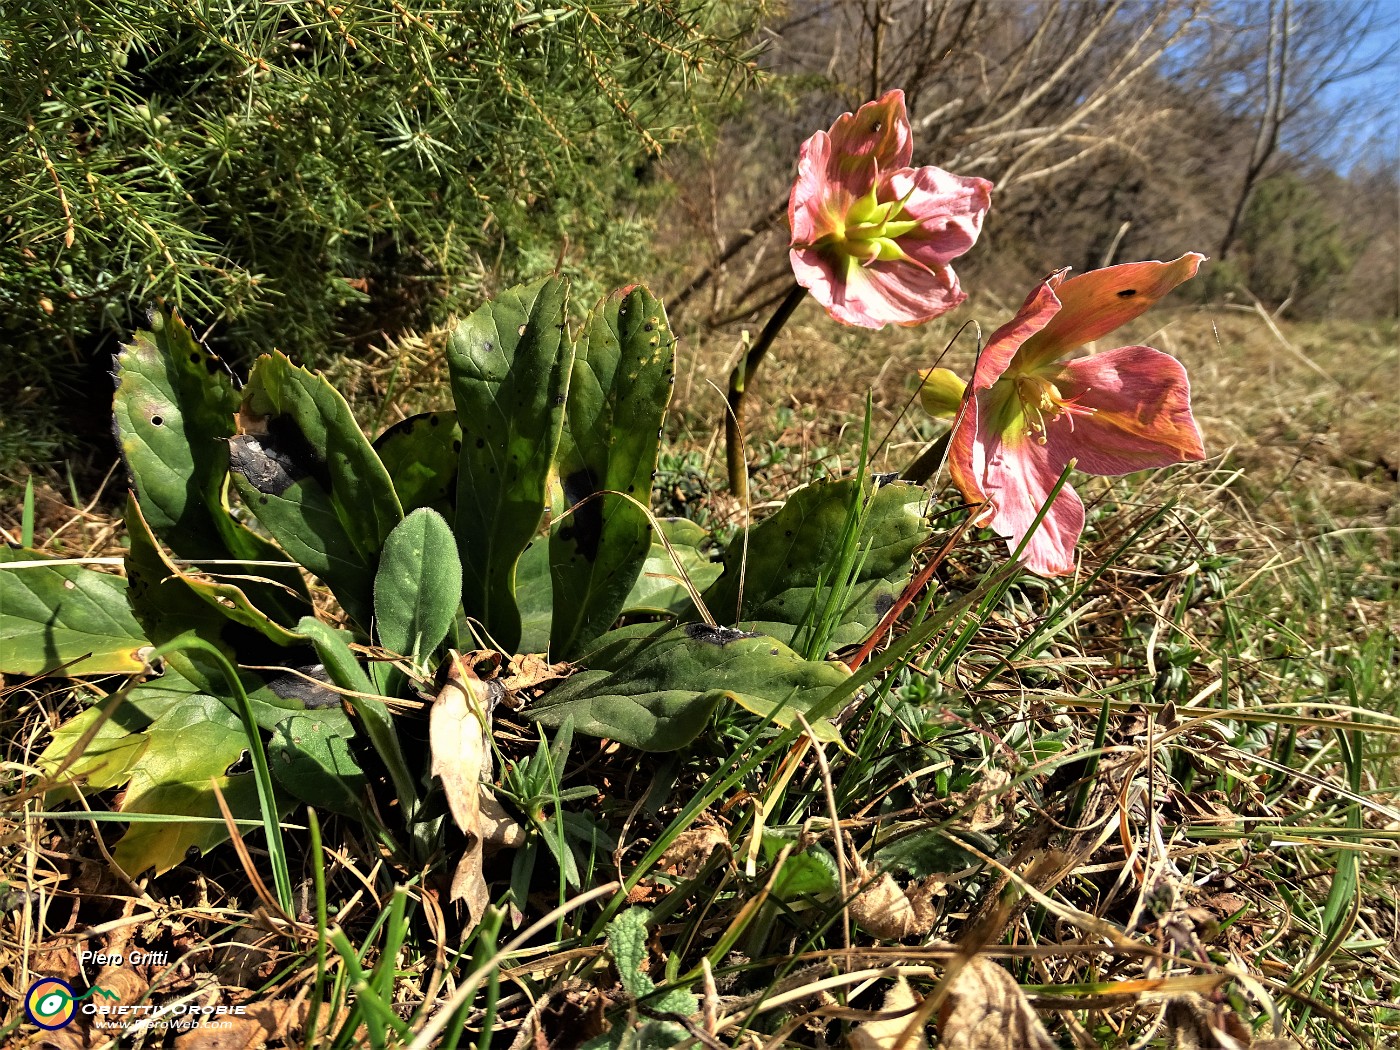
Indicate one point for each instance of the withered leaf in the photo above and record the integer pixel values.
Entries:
(457, 738)
(885, 1033)
(986, 1010)
(1193, 1022)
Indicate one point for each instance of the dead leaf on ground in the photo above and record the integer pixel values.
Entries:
(530, 671)
(988, 800)
(499, 830)
(892, 913)
(1195, 1023)
(885, 1033)
(986, 1010)
(457, 734)
(227, 1033)
(123, 983)
(71, 1038)
(689, 850)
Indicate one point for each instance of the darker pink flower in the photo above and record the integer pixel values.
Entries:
(1027, 413)
(872, 238)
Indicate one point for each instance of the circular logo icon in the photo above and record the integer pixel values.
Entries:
(49, 1003)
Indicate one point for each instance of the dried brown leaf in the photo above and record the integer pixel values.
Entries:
(229, 1033)
(530, 671)
(689, 850)
(457, 738)
(892, 913)
(499, 830)
(986, 1010)
(1193, 1022)
(885, 1033)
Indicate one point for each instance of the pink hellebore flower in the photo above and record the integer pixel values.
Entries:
(1028, 413)
(872, 237)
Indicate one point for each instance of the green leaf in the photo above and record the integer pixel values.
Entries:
(301, 465)
(418, 586)
(811, 873)
(333, 648)
(174, 410)
(168, 603)
(509, 364)
(661, 588)
(793, 555)
(661, 696)
(51, 614)
(929, 852)
(310, 757)
(106, 761)
(534, 596)
(189, 746)
(627, 944)
(420, 453)
(618, 393)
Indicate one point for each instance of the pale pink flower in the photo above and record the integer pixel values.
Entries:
(1027, 413)
(872, 238)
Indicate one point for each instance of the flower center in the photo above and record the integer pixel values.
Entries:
(870, 230)
(1042, 404)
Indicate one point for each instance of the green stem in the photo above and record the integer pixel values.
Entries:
(744, 371)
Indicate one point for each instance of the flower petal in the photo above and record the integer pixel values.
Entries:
(1017, 479)
(815, 272)
(967, 457)
(950, 209)
(1035, 313)
(1095, 303)
(882, 293)
(878, 131)
(816, 202)
(1142, 412)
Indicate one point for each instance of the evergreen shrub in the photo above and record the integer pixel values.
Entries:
(307, 175)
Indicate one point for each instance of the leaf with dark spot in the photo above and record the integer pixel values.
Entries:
(509, 364)
(173, 415)
(617, 401)
(420, 455)
(308, 473)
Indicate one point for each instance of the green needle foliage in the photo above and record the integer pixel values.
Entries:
(304, 176)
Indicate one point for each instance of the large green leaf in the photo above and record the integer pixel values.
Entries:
(662, 694)
(168, 603)
(106, 761)
(418, 586)
(509, 365)
(420, 453)
(661, 586)
(303, 467)
(51, 614)
(199, 742)
(174, 410)
(345, 671)
(310, 756)
(621, 383)
(793, 559)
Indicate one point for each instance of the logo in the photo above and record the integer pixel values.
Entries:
(49, 1003)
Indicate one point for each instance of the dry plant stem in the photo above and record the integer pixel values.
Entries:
(928, 464)
(912, 591)
(739, 379)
